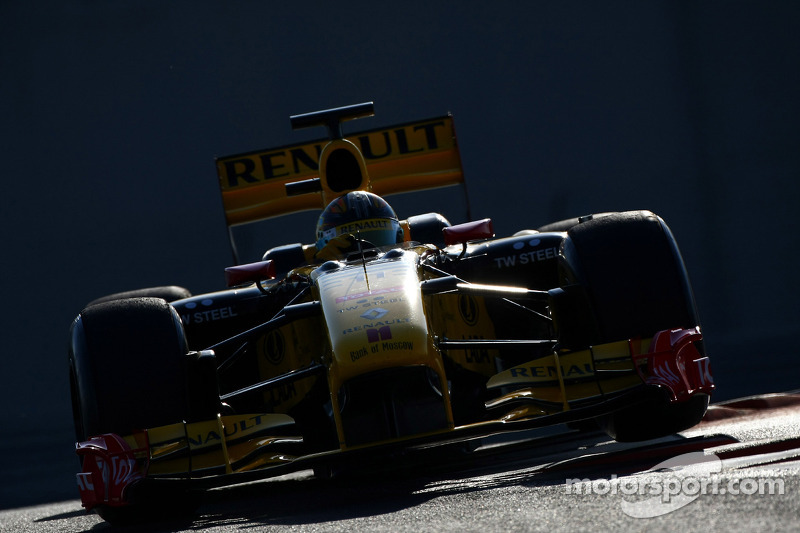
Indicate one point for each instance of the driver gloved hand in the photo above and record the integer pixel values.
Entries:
(337, 248)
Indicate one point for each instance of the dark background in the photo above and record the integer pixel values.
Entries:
(113, 112)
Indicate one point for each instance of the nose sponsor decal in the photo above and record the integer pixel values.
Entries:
(374, 314)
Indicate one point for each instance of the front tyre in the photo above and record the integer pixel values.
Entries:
(653, 419)
(627, 271)
(128, 367)
(169, 293)
(129, 370)
(633, 274)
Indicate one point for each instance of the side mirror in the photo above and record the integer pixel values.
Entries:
(249, 273)
(468, 231)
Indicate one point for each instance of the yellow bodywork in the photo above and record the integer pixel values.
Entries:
(295, 345)
(376, 320)
(554, 382)
(237, 443)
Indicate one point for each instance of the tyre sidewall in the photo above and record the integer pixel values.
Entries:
(128, 367)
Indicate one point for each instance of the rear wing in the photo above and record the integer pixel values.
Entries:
(403, 158)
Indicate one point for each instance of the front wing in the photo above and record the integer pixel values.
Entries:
(558, 388)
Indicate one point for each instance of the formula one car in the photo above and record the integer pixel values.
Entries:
(384, 335)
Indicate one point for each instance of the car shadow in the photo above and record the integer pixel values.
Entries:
(378, 487)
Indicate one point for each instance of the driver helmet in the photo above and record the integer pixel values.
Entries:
(362, 214)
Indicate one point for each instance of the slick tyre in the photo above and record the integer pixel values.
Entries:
(566, 224)
(169, 293)
(129, 370)
(631, 277)
(653, 419)
(127, 367)
(632, 273)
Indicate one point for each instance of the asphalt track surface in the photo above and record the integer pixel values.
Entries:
(739, 470)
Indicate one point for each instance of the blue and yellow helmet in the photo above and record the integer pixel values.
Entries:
(363, 214)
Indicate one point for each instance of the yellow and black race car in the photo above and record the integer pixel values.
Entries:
(381, 336)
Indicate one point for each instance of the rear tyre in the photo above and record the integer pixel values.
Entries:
(129, 370)
(627, 269)
(427, 228)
